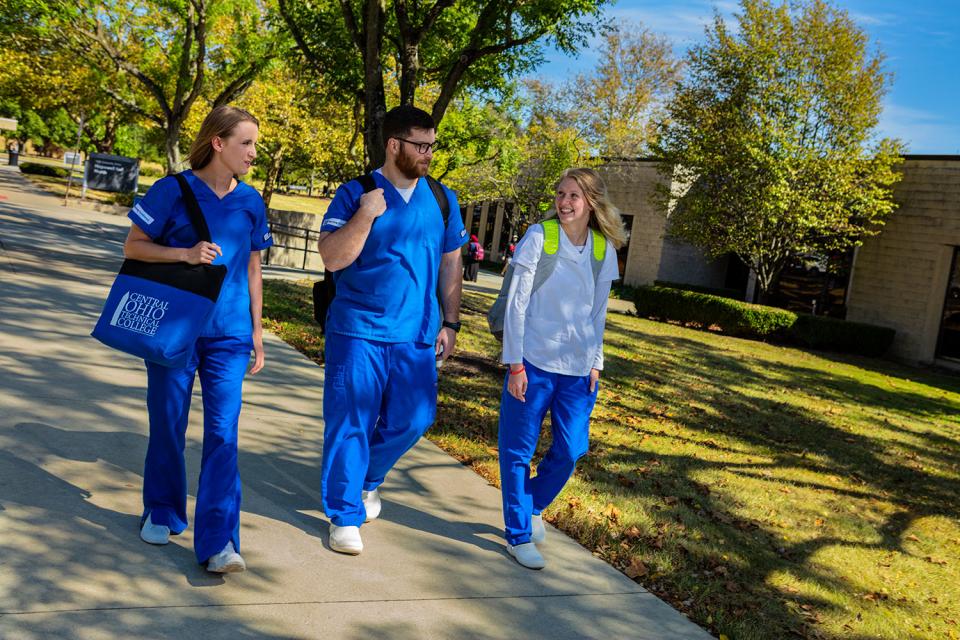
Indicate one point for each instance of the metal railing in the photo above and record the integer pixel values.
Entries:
(283, 234)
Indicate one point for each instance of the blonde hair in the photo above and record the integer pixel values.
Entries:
(604, 216)
(219, 123)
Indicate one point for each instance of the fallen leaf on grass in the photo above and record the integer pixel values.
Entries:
(913, 538)
(633, 533)
(612, 513)
(819, 522)
(936, 561)
(636, 569)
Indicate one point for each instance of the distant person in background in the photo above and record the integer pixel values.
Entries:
(471, 262)
(553, 345)
(13, 152)
(508, 255)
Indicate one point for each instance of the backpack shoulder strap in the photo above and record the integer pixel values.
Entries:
(548, 256)
(551, 236)
(441, 197)
(598, 254)
(193, 208)
(366, 181)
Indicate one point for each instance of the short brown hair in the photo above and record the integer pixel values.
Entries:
(399, 121)
(219, 123)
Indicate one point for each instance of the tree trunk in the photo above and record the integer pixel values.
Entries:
(172, 147)
(374, 97)
(273, 170)
(409, 73)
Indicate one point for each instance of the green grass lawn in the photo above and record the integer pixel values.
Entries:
(768, 492)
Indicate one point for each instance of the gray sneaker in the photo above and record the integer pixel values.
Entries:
(345, 539)
(527, 555)
(154, 533)
(227, 561)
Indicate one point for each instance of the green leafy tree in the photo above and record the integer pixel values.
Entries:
(154, 58)
(300, 124)
(617, 106)
(772, 137)
(450, 44)
(519, 152)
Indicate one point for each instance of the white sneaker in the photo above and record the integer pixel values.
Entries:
(154, 533)
(371, 502)
(539, 532)
(345, 539)
(527, 555)
(227, 561)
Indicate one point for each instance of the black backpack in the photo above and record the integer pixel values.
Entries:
(325, 290)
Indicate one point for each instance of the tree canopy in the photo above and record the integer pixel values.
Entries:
(454, 45)
(772, 137)
(154, 58)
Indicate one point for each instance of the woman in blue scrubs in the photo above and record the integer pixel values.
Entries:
(553, 344)
(161, 232)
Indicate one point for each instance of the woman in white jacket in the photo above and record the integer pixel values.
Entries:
(553, 344)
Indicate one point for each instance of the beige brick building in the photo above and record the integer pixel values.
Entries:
(907, 277)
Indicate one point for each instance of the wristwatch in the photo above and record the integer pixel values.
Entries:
(452, 325)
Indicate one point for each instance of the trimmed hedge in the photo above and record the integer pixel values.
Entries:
(731, 316)
(735, 294)
(819, 332)
(756, 321)
(44, 170)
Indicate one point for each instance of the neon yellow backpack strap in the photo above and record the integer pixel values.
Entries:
(551, 236)
(599, 246)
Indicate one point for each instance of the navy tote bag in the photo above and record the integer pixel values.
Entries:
(155, 310)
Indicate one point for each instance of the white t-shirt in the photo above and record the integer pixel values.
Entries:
(407, 193)
(559, 328)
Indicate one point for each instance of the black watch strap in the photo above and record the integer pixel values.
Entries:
(452, 325)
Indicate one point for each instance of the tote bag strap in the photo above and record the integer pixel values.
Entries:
(193, 209)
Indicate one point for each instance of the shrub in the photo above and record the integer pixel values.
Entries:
(819, 332)
(43, 170)
(124, 199)
(757, 321)
(731, 316)
(152, 169)
(723, 292)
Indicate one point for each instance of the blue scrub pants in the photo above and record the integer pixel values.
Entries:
(570, 403)
(222, 363)
(379, 398)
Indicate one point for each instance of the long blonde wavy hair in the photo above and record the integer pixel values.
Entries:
(604, 216)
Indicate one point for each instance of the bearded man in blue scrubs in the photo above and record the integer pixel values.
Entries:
(386, 330)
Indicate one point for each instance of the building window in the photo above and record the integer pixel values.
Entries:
(949, 343)
(624, 251)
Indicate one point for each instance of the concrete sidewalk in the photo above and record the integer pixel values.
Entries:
(72, 442)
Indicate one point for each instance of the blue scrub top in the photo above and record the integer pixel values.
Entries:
(389, 293)
(238, 223)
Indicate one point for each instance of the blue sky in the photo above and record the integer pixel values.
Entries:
(921, 39)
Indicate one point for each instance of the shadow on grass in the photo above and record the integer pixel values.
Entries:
(776, 414)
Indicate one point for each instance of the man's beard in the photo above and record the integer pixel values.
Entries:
(410, 167)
